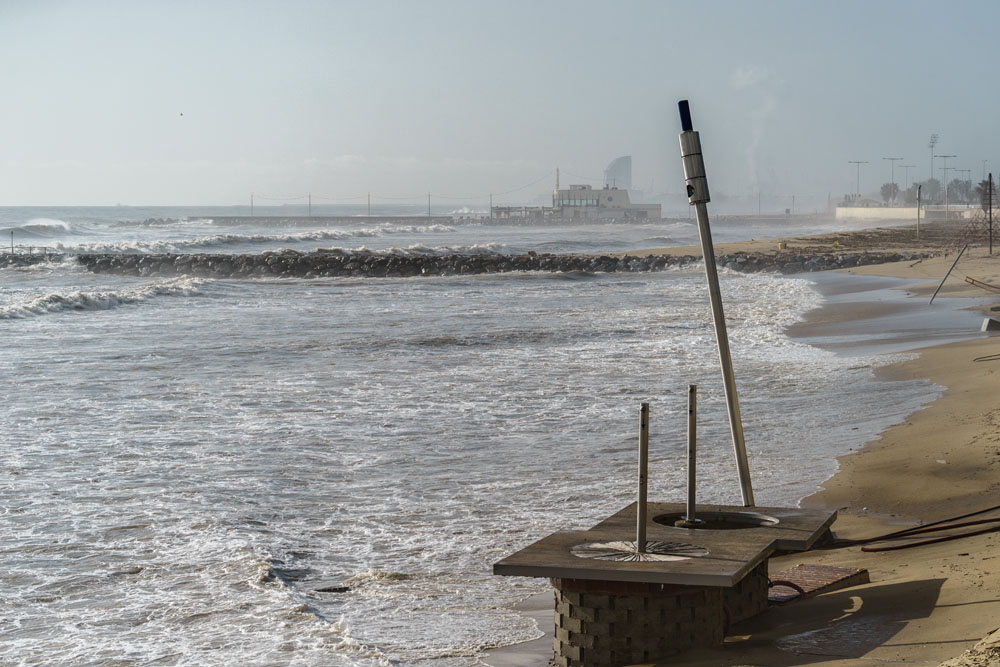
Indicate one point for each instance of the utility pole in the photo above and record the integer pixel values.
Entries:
(859, 163)
(369, 204)
(428, 204)
(931, 144)
(310, 204)
(892, 169)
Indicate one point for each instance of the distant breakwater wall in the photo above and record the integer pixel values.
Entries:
(291, 264)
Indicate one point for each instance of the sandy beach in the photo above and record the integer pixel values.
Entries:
(932, 604)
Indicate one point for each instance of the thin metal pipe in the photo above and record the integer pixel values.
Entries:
(692, 450)
(698, 196)
(725, 357)
(948, 274)
(640, 521)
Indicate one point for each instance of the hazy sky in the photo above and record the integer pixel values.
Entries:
(178, 102)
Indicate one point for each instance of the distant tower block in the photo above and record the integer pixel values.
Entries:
(619, 173)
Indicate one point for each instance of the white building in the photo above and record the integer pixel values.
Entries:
(583, 201)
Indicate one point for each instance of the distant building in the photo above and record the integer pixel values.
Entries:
(619, 173)
(583, 202)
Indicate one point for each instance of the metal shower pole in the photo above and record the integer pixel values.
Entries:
(692, 453)
(697, 190)
(640, 506)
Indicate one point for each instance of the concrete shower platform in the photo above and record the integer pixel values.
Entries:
(614, 612)
(732, 552)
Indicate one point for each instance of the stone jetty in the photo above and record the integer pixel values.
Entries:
(292, 264)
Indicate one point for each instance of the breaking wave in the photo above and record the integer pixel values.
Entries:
(38, 228)
(106, 300)
(224, 240)
(477, 249)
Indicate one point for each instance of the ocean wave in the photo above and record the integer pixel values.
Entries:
(659, 240)
(40, 228)
(222, 240)
(103, 300)
(475, 249)
(65, 264)
(419, 249)
(466, 211)
(164, 222)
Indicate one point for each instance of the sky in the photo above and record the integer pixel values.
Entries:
(205, 103)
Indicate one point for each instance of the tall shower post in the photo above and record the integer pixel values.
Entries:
(697, 189)
(640, 506)
(692, 453)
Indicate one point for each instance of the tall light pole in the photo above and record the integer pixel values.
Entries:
(944, 176)
(892, 170)
(968, 179)
(857, 190)
(931, 144)
(906, 175)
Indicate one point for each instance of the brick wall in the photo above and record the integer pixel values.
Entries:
(609, 624)
(748, 597)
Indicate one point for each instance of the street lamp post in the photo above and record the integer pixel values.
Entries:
(931, 144)
(906, 175)
(892, 170)
(944, 177)
(857, 190)
(968, 180)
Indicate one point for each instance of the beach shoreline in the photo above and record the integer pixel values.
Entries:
(924, 605)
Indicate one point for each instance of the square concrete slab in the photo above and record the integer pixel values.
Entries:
(719, 556)
(791, 528)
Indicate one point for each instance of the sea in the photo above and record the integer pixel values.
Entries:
(322, 471)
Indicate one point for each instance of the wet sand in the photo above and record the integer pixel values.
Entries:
(924, 605)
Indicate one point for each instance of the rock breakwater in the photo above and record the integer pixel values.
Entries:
(291, 264)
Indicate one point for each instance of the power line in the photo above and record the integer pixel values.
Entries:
(280, 198)
(585, 178)
(339, 198)
(543, 177)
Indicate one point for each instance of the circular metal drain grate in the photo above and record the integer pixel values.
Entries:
(625, 551)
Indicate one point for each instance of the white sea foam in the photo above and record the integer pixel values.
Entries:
(99, 300)
(48, 224)
(158, 246)
(38, 228)
(168, 478)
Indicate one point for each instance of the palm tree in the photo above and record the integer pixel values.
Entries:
(983, 190)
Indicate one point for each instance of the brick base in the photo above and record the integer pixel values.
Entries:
(609, 623)
(748, 597)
